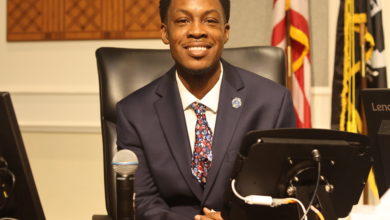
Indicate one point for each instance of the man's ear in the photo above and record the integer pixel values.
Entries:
(227, 33)
(164, 33)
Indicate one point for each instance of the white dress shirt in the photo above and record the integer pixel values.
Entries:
(210, 100)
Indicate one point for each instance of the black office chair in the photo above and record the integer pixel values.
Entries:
(122, 71)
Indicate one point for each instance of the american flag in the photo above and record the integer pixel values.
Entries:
(292, 17)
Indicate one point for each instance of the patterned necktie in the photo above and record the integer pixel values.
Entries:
(202, 156)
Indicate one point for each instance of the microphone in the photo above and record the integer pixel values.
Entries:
(125, 164)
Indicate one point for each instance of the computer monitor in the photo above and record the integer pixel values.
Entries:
(19, 197)
(377, 110)
(279, 163)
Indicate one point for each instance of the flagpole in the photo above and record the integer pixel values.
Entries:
(363, 85)
(363, 80)
(288, 47)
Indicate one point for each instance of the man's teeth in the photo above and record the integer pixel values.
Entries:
(197, 48)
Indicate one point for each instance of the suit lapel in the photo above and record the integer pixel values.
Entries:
(227, 118)
(172, 121)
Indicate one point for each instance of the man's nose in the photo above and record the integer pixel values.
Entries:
(197, 30)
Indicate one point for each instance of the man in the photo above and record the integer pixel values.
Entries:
(187, 126)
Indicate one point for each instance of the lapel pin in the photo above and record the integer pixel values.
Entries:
(236, 102)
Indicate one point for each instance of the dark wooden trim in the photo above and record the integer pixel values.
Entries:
(32, 20)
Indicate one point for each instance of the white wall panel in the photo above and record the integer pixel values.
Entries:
(320, 107)
(57, 111)
(68, 173)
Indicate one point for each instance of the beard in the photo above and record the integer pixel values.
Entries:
(205, 72)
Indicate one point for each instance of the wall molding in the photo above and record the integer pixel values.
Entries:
(65, 110)
(60, 127)
(48, 90)
(61, 111)
(321, 90)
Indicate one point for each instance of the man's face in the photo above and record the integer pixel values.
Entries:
(196, 33)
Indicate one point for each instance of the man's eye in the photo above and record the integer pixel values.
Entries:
(211, 21)
(182, 21)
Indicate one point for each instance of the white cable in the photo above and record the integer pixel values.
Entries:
(302, 206)
(317, 212)
(253, 199)
(316, 158)
(234, 190)
(266, 200)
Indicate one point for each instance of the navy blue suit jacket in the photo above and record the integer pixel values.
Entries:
(151, 123)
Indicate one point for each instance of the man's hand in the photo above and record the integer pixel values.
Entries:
(209, 215)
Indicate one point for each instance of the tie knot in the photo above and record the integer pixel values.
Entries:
(199, 108)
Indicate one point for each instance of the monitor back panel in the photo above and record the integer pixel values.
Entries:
(377, 110)
(23, 201)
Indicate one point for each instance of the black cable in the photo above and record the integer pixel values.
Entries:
(317, 158)
(7, 183)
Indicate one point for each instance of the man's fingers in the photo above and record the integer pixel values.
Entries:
(202, 217)
(212, 214)
(207, 211)
(209, 215)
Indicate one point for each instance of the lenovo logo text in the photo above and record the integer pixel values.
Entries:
(380, 107)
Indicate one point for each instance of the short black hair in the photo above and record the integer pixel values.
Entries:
(164, 5)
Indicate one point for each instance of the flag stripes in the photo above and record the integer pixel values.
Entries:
(296, 24)
(279, 22)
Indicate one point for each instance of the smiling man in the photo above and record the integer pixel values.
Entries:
(187, 126)
(196, 32)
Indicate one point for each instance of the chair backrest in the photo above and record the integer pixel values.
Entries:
(122, 71)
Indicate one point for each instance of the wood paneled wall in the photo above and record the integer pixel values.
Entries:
(29, 20)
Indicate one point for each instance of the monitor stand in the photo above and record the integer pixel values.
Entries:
(302, 186)
(280, 163)
(322, 201)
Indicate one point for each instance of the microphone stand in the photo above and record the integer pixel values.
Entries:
(125, 200)
(125, 163)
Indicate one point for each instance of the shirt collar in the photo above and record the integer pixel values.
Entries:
(210, 99)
